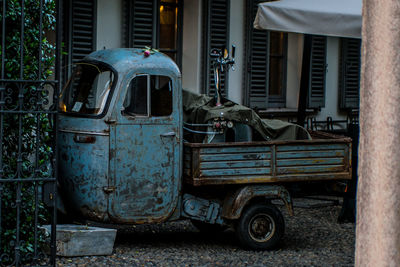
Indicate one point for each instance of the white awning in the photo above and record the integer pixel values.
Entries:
(341, 18)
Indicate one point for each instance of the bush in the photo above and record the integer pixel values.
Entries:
(26, 137)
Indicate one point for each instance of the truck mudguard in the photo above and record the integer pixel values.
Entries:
(237, 200)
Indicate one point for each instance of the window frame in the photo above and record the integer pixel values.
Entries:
(149, 97)
(128, 28)
(266, 101)
(106, 108)
(277, 101)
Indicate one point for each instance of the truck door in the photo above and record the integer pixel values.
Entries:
(145, 153)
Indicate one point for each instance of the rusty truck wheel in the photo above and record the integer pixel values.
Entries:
(260, 227)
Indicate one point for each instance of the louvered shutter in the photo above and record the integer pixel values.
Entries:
(257, 65)
(140, 22)
(349, 80)
(216, 35)
(83, 29)
(316, 92)
(79, 32)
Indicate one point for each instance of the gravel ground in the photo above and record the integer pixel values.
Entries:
(312, 238)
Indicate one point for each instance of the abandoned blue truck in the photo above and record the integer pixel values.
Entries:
(124, 158)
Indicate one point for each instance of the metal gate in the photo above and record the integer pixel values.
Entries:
(29, 82)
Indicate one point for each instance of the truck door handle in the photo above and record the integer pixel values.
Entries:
(78, 138)
(169, 134)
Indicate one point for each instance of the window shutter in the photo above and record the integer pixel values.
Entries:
(257, 65)
(266, 55)
(316, 93)
(126, 29)
(139, 23)
(349, 81)
(79, 32)
(83, 29)
(216, 35)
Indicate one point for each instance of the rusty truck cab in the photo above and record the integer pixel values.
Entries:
(119, 137)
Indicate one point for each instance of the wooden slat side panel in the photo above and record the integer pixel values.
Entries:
(310, 162)
(311, 154)
(238, 164)
(235, 164)
(259, 179)
(235, 172)
(235, 161)
(234, 149)
(310, 147)
(310, 169)
(311, 159)
(232, 157)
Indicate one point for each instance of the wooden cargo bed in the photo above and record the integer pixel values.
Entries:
(325, 157)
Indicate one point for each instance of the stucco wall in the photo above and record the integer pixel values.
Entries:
(191, 58)
(109, 23)
(236, 37)
(295, 53)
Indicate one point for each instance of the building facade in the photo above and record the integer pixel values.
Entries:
(268, 64)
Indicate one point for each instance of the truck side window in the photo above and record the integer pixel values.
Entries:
(161, 96)
(135, 102)
(148, 95)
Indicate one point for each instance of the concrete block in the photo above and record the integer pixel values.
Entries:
(81, 240)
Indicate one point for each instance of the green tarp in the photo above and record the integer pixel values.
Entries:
(200, 109)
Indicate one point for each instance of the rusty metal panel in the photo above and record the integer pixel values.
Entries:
(84, 166)
(132, 172)
(235, 161)
(270, 162)
(310, 161)
(145, 180)
(201, 209)
(237, 200)
(314, 158)
(310, 154)
(234, 164)
(148, 148)
(310, 147)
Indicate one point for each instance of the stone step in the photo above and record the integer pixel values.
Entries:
(81, 240)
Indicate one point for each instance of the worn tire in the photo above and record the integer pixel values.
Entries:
(260, 227)
(207, 227)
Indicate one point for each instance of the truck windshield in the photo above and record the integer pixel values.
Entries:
(88, 89)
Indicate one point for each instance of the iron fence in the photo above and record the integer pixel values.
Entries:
(29, 82)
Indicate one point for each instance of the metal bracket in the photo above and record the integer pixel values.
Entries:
(201, 209)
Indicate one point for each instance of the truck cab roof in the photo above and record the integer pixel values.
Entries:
(125, 60)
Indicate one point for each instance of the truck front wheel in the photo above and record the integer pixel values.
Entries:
(260, 227)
